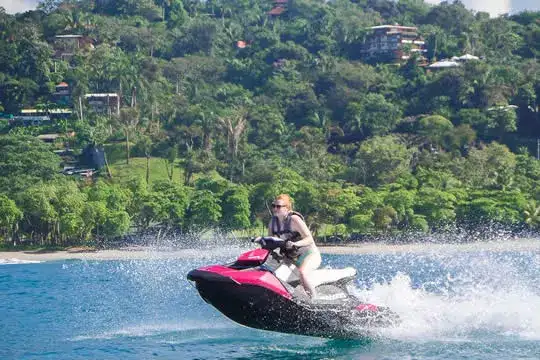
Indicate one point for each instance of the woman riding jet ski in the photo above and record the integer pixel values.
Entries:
(262, 289)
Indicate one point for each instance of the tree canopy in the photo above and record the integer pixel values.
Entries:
(240, 105)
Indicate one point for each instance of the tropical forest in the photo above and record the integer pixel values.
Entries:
(379, 118)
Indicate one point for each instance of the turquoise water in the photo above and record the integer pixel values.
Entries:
(473, 305)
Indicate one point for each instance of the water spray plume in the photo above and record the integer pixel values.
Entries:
(480, 294)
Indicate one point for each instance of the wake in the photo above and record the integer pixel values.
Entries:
(479, 296)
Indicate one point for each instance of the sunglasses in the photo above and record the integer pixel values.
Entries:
(277, 206)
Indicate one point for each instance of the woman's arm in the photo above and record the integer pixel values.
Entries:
(297, 224)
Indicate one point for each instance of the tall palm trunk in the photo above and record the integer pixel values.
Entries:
(147, 169)
(127, 147)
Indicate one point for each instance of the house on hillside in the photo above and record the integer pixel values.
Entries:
(65, 46)
(31, 117)
(280, 6)
(444, 64)
(241, 44)
(35, 117)
(62, 94)
(453, 62)
(466, 57)
(393, 43)
(104, 103)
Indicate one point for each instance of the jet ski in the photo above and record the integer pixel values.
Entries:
(262, 290)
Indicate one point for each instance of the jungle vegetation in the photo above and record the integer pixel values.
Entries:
(224, 106)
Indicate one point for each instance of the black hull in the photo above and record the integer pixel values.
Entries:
(257, 307)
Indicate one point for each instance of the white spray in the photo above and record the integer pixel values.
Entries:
(489, 298)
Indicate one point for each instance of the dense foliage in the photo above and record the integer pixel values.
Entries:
(240, 106)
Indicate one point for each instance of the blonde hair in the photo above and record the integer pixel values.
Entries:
(287, 201)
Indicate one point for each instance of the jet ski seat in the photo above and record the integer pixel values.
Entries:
(335, 276)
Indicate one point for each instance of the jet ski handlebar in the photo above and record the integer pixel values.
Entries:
(269, 242)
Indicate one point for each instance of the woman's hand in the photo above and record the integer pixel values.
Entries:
(289, 245)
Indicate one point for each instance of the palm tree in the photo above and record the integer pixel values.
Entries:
(532, 214)
(128, 120)
(206, 120)
(234, 123)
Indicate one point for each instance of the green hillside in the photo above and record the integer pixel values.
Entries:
(372, 127)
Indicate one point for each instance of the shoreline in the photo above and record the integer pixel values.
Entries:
(142, 253)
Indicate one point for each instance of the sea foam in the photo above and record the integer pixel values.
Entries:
(14, 261)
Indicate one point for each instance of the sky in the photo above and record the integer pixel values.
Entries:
(498, 7)
(15, 6)
(494, 7)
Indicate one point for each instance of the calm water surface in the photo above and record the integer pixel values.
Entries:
(473, 305)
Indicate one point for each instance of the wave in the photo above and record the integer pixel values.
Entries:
(14, 261)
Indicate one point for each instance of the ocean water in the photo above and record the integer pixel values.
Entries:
(454, 305)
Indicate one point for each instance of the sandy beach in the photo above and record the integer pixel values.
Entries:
(352, 249)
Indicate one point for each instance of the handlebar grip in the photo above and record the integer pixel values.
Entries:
(257, 239)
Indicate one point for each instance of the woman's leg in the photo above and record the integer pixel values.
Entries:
(310, 263)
